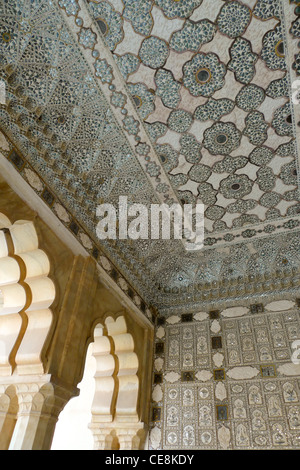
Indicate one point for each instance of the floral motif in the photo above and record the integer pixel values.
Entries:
(288, 173)
(190, 148)
(178, 180)
(156, 130)
(154, 52)
(118, 99)
(295, 29)
(236, 186)
(127, 64)
(266, 179)
(71, 6)
(250, 97)
(278, 88)
(266, 9)
(234, 19)
(87, 38)
(180, 120)
(261, 156)
(222, 138)
(162, 188)
(143, 99)
(168, 156)
(292, 195)
(214, 212)
(230, 164)
(273, 49)
(241, 206)
(256, 128)
(199, 173)
(109, 21)
(270, 199)
(204, 74)
(103, 70)
(282, 121)
(138, 13)
(242, 61)
(285, 150)
(142, 149)
(153, 169)
(175, 8)
(207, 193)
(192, 36)
(214, 109)
(131, 125)
(167, 88)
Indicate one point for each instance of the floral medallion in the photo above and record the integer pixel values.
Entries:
(204, 74)
(222, 138)
(154, 52)
(234, 19)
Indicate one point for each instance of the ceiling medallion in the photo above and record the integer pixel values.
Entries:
(203, 75)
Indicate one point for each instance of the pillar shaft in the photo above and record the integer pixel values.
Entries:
(31, 425)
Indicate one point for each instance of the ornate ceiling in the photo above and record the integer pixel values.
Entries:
(162, 101)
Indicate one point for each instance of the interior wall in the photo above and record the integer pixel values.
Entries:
(81, 302)
(228, 378)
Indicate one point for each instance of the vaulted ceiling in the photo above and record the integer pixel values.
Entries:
(162, 101)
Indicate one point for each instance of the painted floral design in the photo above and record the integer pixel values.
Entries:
(175, 8)
(154, 52)
(214, 109)
(190, 148)
(103, 70)
(204, 74)
(109, 22)
(131, 125)
(282, 121)
(273, 49)
(143, 99)
(167, 88)
(266, 9)
(127, 63)
(138, 12)
(256, 128)
(192, 36)
(250, 97)
(180, 120)
(221, 138)
(243, 60)
(236, 186)
(234, 19)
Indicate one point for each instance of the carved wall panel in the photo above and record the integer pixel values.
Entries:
(228, 379)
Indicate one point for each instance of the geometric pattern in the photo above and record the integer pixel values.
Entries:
(162, 101)
(224, 379)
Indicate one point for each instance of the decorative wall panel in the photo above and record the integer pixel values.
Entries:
(228, 379)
